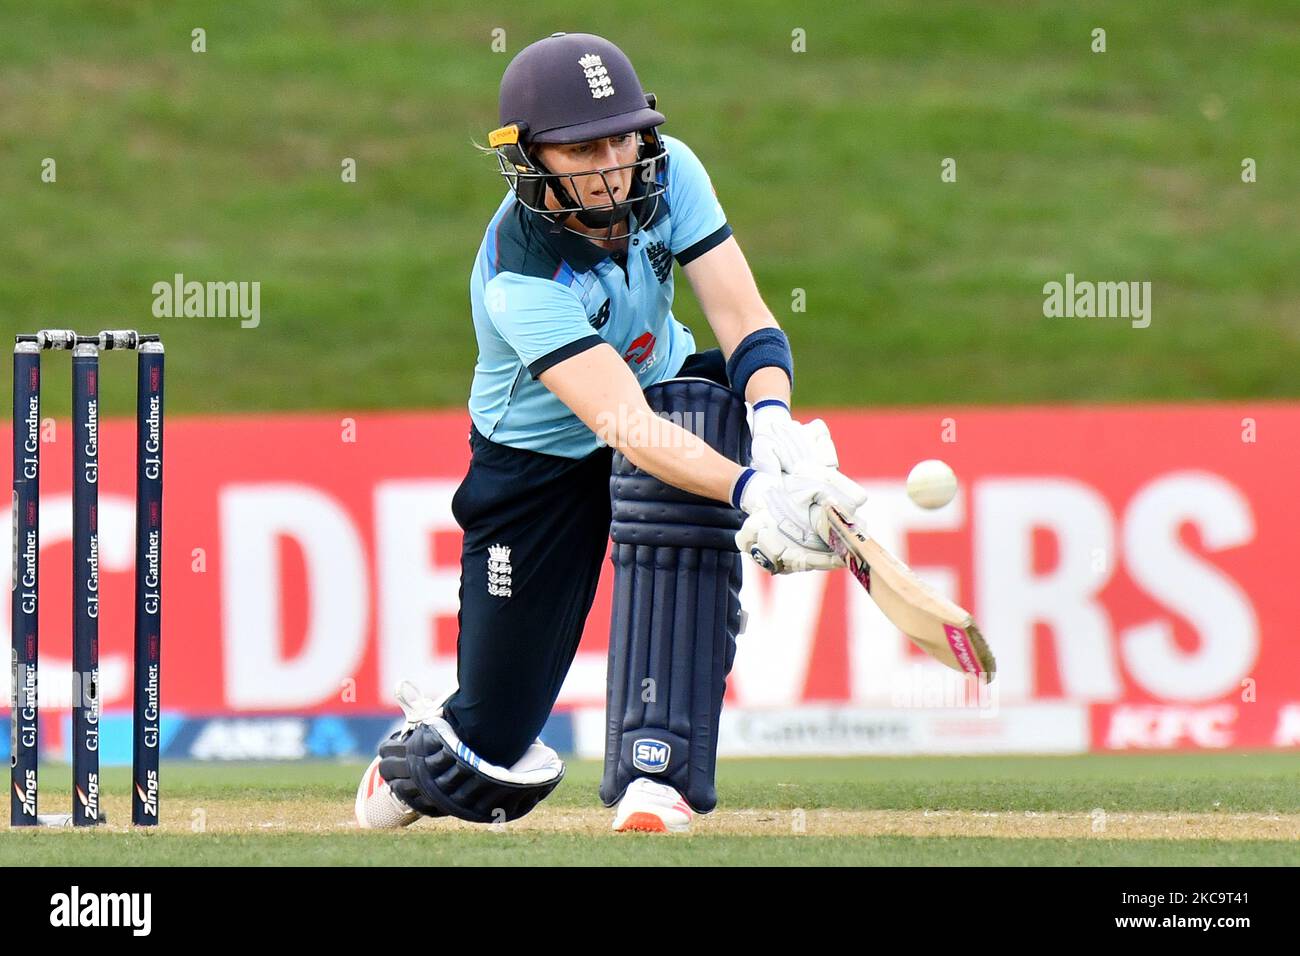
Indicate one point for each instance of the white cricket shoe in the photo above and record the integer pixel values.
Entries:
(377, 807)
(649, 807)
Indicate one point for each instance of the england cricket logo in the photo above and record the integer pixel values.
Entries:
(499, 570)
(597, 77)
(661, 260)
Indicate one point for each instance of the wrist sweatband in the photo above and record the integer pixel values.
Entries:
(738, 488)
(763, 348)
(765, 402)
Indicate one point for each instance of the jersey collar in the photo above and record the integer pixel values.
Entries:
(582, 255)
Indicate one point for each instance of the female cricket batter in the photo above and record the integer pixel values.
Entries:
(572, 292)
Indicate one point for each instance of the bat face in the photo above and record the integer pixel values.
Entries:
(941, 628)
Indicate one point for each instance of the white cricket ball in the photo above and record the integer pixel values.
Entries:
(931, 483)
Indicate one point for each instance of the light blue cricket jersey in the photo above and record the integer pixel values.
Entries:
(541, 295)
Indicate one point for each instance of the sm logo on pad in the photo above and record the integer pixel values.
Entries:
(651, 755)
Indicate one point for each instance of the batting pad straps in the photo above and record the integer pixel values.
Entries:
(763, 348)
(431, 770)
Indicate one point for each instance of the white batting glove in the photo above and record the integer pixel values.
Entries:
(786, 529)
(780, 442)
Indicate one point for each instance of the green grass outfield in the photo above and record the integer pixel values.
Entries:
(778, 812)
(225, 165)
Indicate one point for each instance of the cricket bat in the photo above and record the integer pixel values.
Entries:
(939, 627)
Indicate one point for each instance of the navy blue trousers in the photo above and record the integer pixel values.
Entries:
(536, 531)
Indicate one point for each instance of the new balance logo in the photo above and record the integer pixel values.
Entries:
(499, 571)
(601, 317)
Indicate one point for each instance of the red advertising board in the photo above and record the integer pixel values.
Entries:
(1127, 559)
